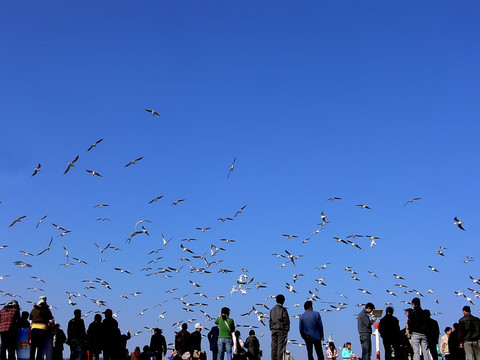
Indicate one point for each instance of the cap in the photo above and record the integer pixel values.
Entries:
(198, 326)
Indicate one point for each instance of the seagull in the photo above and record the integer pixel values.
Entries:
(177, 202)
(391, 293)
(365, 291)
(458, 223)
(94, 145)
(290, 288)
(40, 221)
(334, 198)
(433, 268)
(363, 206)
(102, 249)
(232, 167)
(373, 274)
(71, 163)
(37, 169)
(94, 173)
(165, 241)
(240, 210)
(412, 200)
(398, 277)
(156, 198)
(123, 271)
(19, 219)
(133, 162)
(225, 219)
(203, 229)
(153, 112)
(290, 236)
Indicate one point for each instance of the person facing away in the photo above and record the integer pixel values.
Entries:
(311, 330)
(347, 352)
(253, 346)
(226, 326)
(59, 338)
(417, 326)
(364, 325)
(212, 337)
(158, 345)
(456, 352)
(94, 336)
(40, 316)
(433, 333)
(279, 324)
(469, 334)
(9, 321)
(182, 340)
(331, 352)
(76, 335)
(196, 339)
(145, 354)
(110, 336)
(389, 329)
(239, 352)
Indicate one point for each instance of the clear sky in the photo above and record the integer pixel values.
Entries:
(374, 102)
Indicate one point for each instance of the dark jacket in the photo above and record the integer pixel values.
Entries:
(469, 328)
(389, 328)
(213, 338)
(182, 341)
(94, 337)
(253, 346)
(456, 352)
(41, 314)
(110, 333)
(279, 319)
(417, 321)
(59, 339)
(311, 326)
(158, 344)
(196, 341)
(433, 331)
(364, 323)
(76, 329)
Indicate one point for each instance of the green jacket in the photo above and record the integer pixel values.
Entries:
(223, 330)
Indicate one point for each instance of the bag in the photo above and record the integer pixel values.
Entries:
(196, 354)
(186, 356)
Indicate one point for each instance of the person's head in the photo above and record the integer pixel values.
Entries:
(448, 330)
(251, 332)
(348, 345)
(416, 302)
(280, 299)
(184, 326)
(157, 331)
(13, 303)
(225, 311)
(408, 311)
(427, 313)
(455, 326)
(237, 333)
(369, 307)
(137, 350)
(25, 315)
(42, 300)
(97, 318)
(331, 345)
(466, 309)
(146, 349)
(77, 313)
(308, 305)
(108, 314)
(389, 310)
(198, 327)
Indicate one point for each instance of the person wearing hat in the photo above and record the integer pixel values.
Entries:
(196, 340)
(9, 319)
(288, 356)
(40, 316)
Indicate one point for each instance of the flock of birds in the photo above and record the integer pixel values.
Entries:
(187, 262)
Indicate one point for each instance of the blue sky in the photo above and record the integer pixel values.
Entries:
(374, 102)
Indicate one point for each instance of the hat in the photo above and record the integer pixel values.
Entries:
(287, 351)
(42, 299)
(13, 303)
(198, 326)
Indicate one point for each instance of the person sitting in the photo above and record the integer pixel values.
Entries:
(332, 353)
(347, 352)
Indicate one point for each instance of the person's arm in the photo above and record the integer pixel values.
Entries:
(320, 327)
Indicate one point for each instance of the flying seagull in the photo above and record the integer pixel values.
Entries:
(411, 201)
(153, 112)
(133, 162)
(71, 163)
(37, 169)
(458, 223)
(232, 167)
(94, 145)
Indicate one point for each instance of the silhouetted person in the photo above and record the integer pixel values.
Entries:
(389, 329)
(158, 345)
(279, 326)
(433, 333)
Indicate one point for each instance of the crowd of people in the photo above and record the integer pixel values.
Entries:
(419, 339)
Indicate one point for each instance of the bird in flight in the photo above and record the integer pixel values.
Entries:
(176, 202)
(240, 210)
(232, 167)
(334, 198)
(363, 206)
(155, 199)
(71, 163)
(19, 219)
(37, 169)
(133, 162)
(412, 200)
(94, 145)
(94, 173)
(153, 112)
(40, 221)
(458, 223)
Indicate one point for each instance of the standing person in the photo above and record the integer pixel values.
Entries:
(364, 325)
(444, 343)
(389, 329)
(239, 352)
(40, 316)
(253, 346)
(456, 352)
(279, 326)
(94, 336)
(196, 340)
(122, 351)
(226, 326)
(469, 334)
(59, 338)
(433, 333)
(110, 335)
(213, 340)
(417, 326)
(311, 330)
(76, 335)
(158, 345)
(9, 322)
(182, 340)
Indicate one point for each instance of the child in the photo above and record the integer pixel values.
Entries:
(347, 352)
(332, 353)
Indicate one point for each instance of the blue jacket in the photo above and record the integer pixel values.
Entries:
(310, 326)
